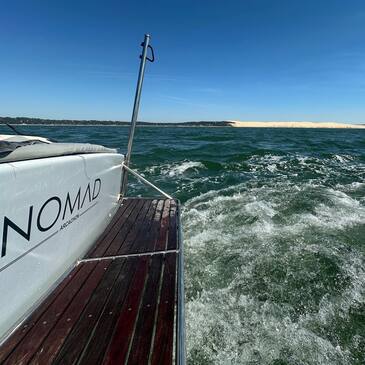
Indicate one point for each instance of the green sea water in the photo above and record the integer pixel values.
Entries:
(274, 233)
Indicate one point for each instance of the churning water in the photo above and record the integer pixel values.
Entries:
(274, 234)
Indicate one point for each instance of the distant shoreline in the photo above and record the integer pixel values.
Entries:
(326, 125)
(19, 121)
(167, 125)
(99, 123)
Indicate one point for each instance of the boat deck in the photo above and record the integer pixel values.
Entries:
(119, 303)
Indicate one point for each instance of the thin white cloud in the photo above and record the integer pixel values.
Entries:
(184, 101)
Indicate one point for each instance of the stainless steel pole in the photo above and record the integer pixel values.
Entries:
(137, 99)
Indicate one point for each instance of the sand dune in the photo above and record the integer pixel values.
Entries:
(239, 124)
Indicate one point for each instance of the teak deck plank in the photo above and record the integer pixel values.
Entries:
(119, 345)
(140, 239)
(140, 222)
(56, 338)
(164, 333)
(155, 227)
(111, 308)
(128, 226)
(96, 347)
(77, 339)
(140, 350)
(126, 222)
(30, 343)
(161, 243)
(112, 230)
(22, 331)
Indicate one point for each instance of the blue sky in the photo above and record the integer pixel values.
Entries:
(216, 60)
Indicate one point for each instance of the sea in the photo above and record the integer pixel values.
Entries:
(273, 223)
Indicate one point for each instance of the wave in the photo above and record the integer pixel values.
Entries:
(175, 169)
(273, 276)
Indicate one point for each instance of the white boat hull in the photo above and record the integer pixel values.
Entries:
(52, 210)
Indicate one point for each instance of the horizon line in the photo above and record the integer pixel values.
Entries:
(179, 122)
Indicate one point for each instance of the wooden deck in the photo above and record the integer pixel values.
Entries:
(118, 305)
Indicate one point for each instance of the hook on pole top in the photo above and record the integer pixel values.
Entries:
(146, 45)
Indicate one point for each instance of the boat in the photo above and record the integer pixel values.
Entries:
(88, 275)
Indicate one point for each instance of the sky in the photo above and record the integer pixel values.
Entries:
(261, 60)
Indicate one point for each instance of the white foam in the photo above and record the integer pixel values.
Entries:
(175, 169)
(233, 232)
(183, 167)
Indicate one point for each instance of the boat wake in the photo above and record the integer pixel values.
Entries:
(275, 274)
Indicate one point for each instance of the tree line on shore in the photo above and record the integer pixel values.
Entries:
(40, 121)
